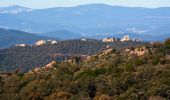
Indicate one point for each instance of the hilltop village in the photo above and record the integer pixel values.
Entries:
(137, 51)
(38, 43)
(106, 40)
(124, 39)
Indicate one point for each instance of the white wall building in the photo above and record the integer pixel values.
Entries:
(54, 42)
(20, 45)
(83, 39)
(40, 42)
(109, 39)
(125, 38)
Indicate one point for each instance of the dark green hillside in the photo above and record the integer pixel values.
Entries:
(32, 56)
(115, 75)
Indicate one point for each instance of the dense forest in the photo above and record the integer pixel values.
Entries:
(112, 74)
(32, 56)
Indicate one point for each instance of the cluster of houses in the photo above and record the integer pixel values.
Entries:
(42, 42)
(38, 43)
(124, 39)
(113, 39)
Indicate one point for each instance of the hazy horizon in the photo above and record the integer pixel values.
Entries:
(83, 5)
(41, 4)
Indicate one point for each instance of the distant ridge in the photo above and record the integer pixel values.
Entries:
(81, 5)
(62, 34)
(91, 19)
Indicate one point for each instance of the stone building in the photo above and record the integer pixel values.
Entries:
(20, 45)
(110, 39)
(40, 42)
(125, 38)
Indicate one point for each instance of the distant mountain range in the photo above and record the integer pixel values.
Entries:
(14, 10)
(89, 20)
(12, 37)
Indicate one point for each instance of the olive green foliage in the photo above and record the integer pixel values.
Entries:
(167, 43)
(113, 76)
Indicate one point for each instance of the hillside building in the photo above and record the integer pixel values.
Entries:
(125, 38)
(110, 39)
(83, 39)
(54, 42)
(136, 40)
(20, 45)
(40, 42)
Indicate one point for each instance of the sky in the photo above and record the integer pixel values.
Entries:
(69, 3)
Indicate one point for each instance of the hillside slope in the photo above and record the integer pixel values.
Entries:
(115, 75)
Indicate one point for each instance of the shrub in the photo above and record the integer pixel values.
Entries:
(129, 66)
(155, 60)
(167, 42)
(139, 62)
(91, 73)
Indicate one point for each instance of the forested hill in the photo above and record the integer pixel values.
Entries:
(33, 56)
(115, 75)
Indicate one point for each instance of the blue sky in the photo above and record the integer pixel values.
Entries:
(67, 3)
